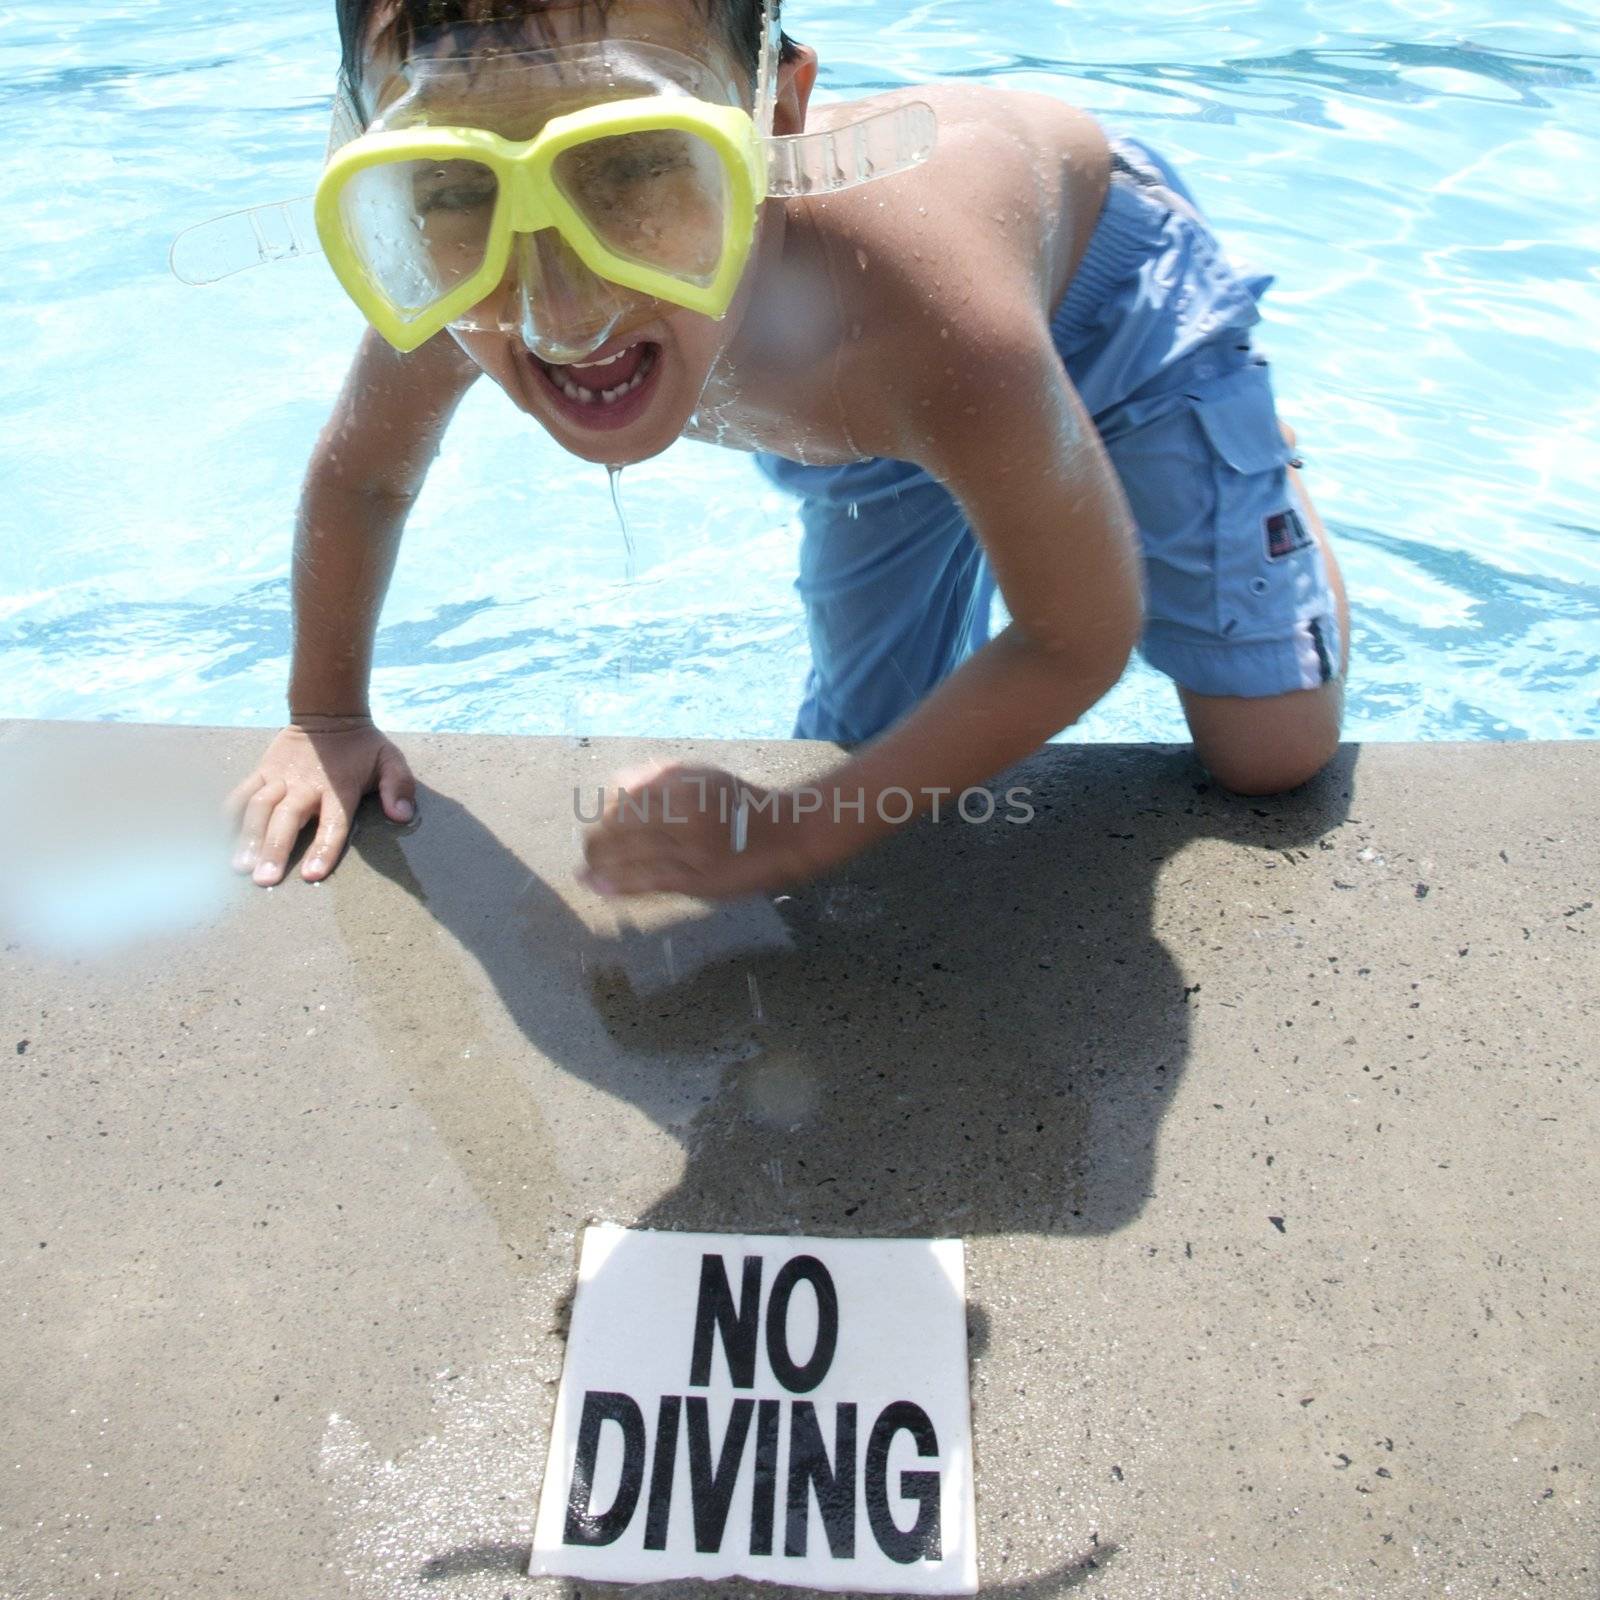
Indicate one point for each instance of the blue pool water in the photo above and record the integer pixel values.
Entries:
(1422, 175)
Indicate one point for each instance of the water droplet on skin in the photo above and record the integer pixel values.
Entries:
(944, 333)
(861, 259)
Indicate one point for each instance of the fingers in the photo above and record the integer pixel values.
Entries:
(673, 833)
(318, 777)
(700, 874)
(239, 797)
(291, 814)
(258, 808)
(635, 861)
(329, 843)
(397, 789)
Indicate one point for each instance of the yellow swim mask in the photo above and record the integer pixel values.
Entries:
(465, 201)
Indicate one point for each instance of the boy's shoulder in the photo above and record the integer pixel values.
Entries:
(1005, 160)
(965, 256)
(969, 111)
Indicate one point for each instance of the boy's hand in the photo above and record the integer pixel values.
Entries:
(316, 769)
(700, 831)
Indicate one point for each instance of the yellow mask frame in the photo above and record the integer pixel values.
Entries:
(528, 199)
(758, 166)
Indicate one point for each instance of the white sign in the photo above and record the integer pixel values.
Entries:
(790, 1410)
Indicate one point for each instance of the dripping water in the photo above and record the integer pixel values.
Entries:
(615, 475)
(630, 565)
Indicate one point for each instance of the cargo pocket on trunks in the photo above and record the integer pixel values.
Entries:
(1265, 551)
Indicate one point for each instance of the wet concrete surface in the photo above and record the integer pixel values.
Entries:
(1270, 1126)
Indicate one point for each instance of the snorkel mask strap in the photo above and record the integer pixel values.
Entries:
(840, 158)
(798, 165)
(211, 251)
(347, 125)
(279, 231)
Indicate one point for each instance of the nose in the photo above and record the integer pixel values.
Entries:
(563, 311)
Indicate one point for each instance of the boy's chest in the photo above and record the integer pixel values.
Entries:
(782, 386)
(854, 335)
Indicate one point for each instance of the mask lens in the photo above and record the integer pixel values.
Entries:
(657, 197)
(421, 228)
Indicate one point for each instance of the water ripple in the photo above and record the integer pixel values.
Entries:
(1423, 179)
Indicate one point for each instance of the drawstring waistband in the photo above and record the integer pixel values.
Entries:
(1128, 228)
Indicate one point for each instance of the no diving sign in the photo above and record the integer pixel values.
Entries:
(792, 1410)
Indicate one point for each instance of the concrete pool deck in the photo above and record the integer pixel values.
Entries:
(1271, 1128)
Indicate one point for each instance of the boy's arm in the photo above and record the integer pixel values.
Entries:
(1046, 504)
(1047, 507)
(365, 474)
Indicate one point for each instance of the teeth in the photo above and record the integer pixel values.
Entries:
(610, 361)
(586, 397)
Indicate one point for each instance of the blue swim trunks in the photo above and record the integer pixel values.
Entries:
(1153, 331)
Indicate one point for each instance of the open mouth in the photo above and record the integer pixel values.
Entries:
(608, 392)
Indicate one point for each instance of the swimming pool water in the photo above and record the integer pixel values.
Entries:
(1423, 177)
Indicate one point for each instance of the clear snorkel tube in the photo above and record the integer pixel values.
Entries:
(805, 164)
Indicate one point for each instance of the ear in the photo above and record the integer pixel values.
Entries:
(796, 79)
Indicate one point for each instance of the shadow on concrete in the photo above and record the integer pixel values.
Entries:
(511, 1560)
(971, 1030)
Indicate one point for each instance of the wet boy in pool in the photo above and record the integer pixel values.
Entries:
(1023, 363)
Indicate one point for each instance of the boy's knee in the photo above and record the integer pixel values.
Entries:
(1263, 747)
(1259, 772)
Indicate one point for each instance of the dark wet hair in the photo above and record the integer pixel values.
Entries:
(739, 22)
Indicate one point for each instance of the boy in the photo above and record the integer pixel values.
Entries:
(1022, 363)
